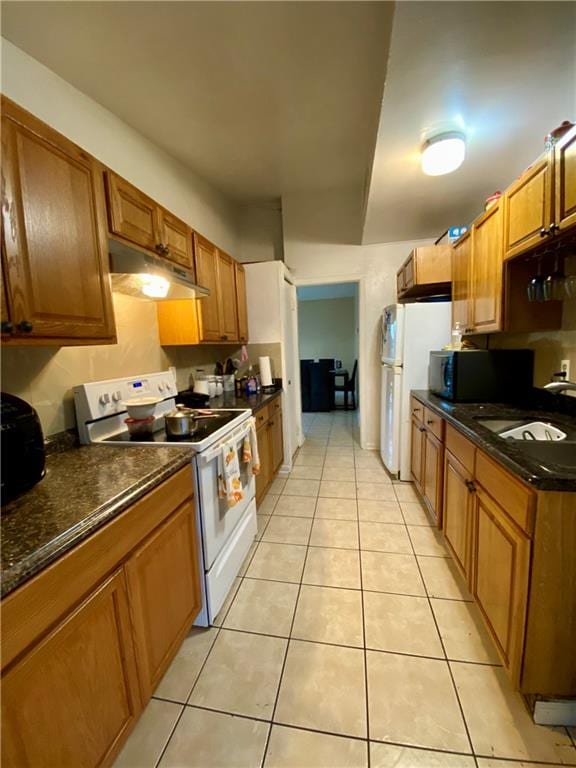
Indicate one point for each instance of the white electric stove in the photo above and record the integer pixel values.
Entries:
(226, 534)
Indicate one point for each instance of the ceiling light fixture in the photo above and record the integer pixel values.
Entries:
(443, 153)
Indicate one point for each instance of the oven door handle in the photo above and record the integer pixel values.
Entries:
(239, 434)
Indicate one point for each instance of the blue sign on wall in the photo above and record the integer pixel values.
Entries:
(455, 232)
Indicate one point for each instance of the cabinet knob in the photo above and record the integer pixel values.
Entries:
(223, 338)
(160, 248)
(471, 487)
(554, 228)
(544, 232)
(422, 429)
(7, 326)
(166, 250)
(24, 326)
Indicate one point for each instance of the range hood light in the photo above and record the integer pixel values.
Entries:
(145, 276)
(154, 286)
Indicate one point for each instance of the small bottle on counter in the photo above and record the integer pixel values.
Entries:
(251, 384)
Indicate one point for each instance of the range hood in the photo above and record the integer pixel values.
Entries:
(145, 276)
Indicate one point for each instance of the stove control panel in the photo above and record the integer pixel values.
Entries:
(106, 398)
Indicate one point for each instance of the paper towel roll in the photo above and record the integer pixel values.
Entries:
(265, 371)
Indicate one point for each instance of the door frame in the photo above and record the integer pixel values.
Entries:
(360, 282)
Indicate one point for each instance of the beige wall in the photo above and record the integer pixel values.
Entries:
(45, 376)
(261, 232)
(117, 145)
(327, 328)
(318, 232)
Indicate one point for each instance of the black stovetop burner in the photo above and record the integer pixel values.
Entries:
(205, 428)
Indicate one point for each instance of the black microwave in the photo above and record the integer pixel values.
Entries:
(481, 375)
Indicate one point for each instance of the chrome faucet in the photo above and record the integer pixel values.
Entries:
(561, 386)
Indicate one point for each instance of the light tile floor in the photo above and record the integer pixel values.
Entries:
(349, 640)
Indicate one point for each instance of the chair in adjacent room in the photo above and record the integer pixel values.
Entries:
(348, 387)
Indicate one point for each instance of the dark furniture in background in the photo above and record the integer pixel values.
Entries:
(348, 387)
(316, 385)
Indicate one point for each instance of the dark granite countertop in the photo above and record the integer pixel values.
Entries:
(84, 488)
(545, 474)
(254, 402)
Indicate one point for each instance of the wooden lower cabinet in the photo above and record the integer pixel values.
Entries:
(165, 594)
(416, 452)
(270, 436)
(501, 560)
(457, 511)
(72, 700)
(432, 475)
(86, 641)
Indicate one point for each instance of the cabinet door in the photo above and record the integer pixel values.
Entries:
(487, 267)
(227, 305)
(131, 214)
(264, 477)
(461, 255)
(501, 556)
(240, 273)
(73, 698)
(276, 440)
(165, 594)
(409, 273)
(457, 511)
(55, 236)
(565, 180)
(205, 258)
(432, 472)
(417, 442)
(528, 208)
(177, 237)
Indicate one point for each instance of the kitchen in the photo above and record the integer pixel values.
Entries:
(329, 642)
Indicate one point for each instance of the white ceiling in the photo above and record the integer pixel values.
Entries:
(505, 69)
(268, 98)
(259, 98)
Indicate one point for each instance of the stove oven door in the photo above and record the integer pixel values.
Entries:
(219, 521)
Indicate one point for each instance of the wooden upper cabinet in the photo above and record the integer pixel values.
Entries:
(528, 208)
(176, 237)
(131, 213)
(565, 180)
(205, 258)
(227, 304)
(134, 216)
(165, 594)
(72, 700)
(55, 234)
(426, 272)
(241, 304)
(486, 274)
(461, 257)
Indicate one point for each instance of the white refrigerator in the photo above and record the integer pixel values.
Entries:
(409, 333)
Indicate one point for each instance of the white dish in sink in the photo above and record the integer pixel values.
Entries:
(535, 430)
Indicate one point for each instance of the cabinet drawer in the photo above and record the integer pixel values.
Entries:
(416, 409)
(460, 447)
(434, 423)
(262, 416)
(513, 497)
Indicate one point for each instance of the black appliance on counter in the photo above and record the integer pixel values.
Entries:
(22, 446)
(481, 375)
(192, 399)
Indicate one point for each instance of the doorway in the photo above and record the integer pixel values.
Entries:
(329, 350)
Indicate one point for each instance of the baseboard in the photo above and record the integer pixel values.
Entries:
(370, 447)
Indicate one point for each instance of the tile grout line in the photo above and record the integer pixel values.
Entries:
(431, 609)
(287, 644)
(366, 696)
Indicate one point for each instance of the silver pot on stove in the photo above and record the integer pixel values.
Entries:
(181, 422)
